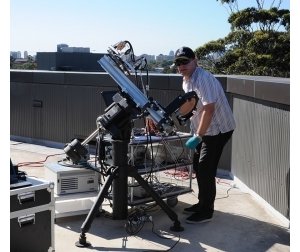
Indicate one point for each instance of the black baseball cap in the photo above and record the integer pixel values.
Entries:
(184, 53)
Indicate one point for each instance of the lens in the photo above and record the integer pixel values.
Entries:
(182, 62)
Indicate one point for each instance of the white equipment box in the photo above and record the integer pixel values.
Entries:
(71, 180)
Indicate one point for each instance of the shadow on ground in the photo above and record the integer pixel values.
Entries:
(226, 232)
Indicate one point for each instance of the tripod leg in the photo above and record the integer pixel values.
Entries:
(172, 215)
(92, 213)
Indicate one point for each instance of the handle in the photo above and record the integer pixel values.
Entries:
(26, 197)
(26, 220)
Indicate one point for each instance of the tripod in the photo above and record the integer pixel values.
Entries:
(117, 177)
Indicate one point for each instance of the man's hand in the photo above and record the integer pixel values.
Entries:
(193, 142)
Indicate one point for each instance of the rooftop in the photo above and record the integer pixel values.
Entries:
(241, 222)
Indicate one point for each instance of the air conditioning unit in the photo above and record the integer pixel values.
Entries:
(71, 180)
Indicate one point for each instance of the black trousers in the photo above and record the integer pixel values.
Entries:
(205, 163)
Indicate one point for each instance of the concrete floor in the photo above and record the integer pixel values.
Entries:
(240, 223)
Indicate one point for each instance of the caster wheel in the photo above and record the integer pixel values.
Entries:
(172, 201)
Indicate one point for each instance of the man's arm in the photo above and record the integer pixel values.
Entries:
(206, 117)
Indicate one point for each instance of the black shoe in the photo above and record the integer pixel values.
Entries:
(192, 209)
(198, 218)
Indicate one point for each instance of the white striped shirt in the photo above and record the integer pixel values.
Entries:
(209, 90)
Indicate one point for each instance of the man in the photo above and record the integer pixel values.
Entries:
(212, 125)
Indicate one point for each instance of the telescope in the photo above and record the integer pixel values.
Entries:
(119, 64)
(130, 102)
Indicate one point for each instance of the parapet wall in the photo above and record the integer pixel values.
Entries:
(55, 107)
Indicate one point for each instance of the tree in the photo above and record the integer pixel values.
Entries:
(30, 64)
(258, 44)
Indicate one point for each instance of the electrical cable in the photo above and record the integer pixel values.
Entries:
(136, 221)
(37, 163)
(163, 237)
(180, 173)
(218, 181)
(166, 238)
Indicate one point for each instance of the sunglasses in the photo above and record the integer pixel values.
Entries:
(182, 62)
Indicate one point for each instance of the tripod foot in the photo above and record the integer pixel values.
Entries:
(82, 243)
(177, 227)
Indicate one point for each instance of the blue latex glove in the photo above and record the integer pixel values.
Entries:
(192, 142)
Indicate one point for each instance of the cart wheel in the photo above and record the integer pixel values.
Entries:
(172, 201)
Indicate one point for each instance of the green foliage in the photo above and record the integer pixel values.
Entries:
(267, 20)
(258, 44)
(30, 64)
(24, 66)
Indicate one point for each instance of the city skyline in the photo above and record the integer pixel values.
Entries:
(25, 53)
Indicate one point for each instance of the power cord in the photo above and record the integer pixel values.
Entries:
(219, 181)
(168, 238)
(37, 163)
(136, 221)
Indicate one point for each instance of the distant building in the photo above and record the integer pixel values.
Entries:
(16, 55)
(171, 53)
(69, 61)
(76, 49)
(25, 54)
(149, 58)
(161, 58)
(80, 59)
(67, 48)
(60, 47)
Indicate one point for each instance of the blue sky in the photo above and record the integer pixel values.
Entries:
(152, 27)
